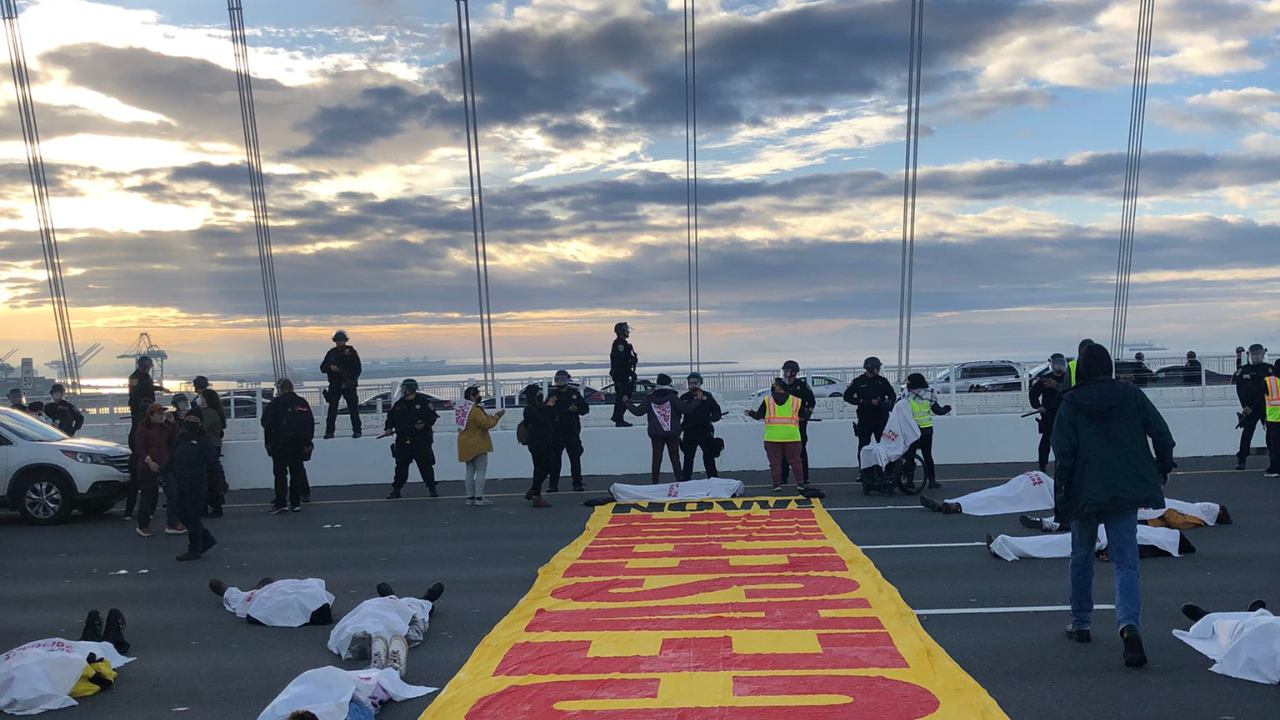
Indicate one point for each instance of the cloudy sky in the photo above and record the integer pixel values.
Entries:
(801, 113)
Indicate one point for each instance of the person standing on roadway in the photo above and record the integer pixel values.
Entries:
(1105, 472)
(410, 420)
(142, 392)
(539, 436)
(1251, 389)
(924, 405)
(567, 408)
(215, 428)
(289, 431)
(474, 443)
(1273, 422)
(341, 365)
(874, 398)
(64, 415)
(698, 430)
(1141, 373)
(780, 411)
(622, 370)
(800, 389)
(1191, 376)
(194, 463)
(1045, 397)
(665, 411)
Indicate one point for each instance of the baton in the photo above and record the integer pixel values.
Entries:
(1033, 412)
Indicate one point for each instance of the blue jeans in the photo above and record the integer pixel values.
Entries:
(1122, 546)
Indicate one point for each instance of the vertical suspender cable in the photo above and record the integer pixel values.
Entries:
(40, 192)
(477, 194)
(915, 56)
(257, 189)
(697, 267)
(688, 183)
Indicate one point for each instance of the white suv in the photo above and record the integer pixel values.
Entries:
(45, 474)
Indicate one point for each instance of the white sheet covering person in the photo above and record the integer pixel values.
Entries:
(1013, 548)
(329, 691)
(900, 432)
(1242, 645)
(384, 617)
(692, 490)
(1205, 512)
(283, 603)
(1027, 492)
(39, 676)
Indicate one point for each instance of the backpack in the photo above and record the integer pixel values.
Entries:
(522, 433)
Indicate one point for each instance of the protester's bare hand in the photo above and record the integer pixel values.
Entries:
(500, 414)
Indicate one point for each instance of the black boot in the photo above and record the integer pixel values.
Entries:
(264, 582)
(1194, 613)
(434, 592)
(114, 632)
(92, 627)
(384, 590)
(218, 587)
(1134, 654)
(1257, 605)
(929, 503)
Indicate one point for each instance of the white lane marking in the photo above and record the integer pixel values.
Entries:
(922, 545)
(1005, 610)
(877, 507)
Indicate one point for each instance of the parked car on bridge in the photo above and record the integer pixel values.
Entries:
(46, 475)
(823, 386)
(985, 374)
(590, 394)
(387, 399)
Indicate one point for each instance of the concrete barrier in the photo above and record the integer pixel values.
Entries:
(964, 440)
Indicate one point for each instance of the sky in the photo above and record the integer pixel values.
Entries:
(801, 120)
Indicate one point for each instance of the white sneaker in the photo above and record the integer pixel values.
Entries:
(1270, 474)
(398, 654)
(379, 653)
(471, 501)
(483, 501)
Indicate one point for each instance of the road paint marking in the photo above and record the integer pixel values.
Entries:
(1005, 610)
(922, 545)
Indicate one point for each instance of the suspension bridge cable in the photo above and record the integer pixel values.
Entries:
(484, 243)
(910, 171)
(1133, 166)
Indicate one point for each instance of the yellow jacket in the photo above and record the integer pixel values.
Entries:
(474, 439)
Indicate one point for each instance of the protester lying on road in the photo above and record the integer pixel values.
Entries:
(51, 674)
(329, 693)
(1027, 492)
(1244, 645)
(1176, 514)
(278, 603)
(384, 628)
(1152, 542)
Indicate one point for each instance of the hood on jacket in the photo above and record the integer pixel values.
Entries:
(661, 390)
(1098, 398)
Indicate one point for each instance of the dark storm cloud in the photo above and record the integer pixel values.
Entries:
(381, 113)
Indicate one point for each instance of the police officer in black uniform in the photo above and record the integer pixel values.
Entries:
(142, 392)
(410, 420)
(16, 399)
(874, 397)
(1251, 389)
(1045, 397)
(63, 414)
(699, 430)
(342, 367)
(567, 408)
(622, 369)
(799, 389)
(288, 430)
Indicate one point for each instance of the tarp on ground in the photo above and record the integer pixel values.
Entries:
(741, 609)
(692, 490)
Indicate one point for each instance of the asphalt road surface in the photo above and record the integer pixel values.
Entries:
(198, 662)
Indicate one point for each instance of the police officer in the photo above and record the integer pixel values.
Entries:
(1191, 376)
(1251, 389)
(699, 431)
(289, 429)
(410, 420)
(1045, 397)
(1141, 373)
(64, 415)
(341, 365)
(142, 392)
(800, 390)
(567, 408)
(874, 398)
(16, 400)
(622, 369)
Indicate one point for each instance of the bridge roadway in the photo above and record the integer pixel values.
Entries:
(197, 662)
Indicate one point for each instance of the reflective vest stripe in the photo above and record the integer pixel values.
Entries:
(922, 412)
(1273, 399)
(782, 422)
(1072, 365)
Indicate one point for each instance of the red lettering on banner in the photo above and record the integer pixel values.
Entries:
(631, 551)
(721, 566)
(754, 587)
(840, 651)
(771, 615)
(771, 516)
(712, 534)
(717, 537)
(866, 698)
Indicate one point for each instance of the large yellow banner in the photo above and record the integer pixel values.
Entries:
(743, 609)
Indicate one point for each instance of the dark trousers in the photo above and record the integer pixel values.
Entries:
(191, 497)
(1046, 433)
(1273, 447)
(541, 455)
(1247, 428)
(423, 457)
(336, 393)
(698, 438)
(804, 455)
(571, 444)
(925, 447)
(131, 487)
(868, 430)
(672, 447)
(217, 493)
(149, 484)
(290, 472)
(621, 389)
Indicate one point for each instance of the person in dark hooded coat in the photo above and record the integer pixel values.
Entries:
(665, 409)
(1103, 438)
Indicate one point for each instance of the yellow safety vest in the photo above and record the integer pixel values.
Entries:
(922, 412)
(1273, 399)
(1072, 366)
(782, 422)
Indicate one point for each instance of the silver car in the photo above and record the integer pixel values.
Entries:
(971, 374)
